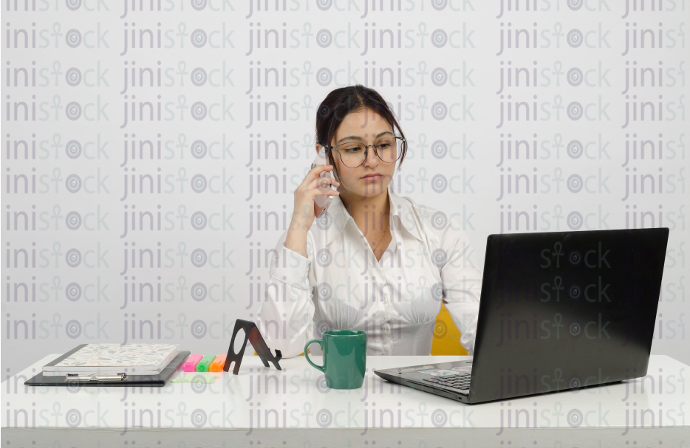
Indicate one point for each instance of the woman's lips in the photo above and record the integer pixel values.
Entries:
(371, 178)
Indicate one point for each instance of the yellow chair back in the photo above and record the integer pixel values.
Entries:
(446, 341)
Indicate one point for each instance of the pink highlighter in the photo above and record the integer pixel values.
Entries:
(190, 364)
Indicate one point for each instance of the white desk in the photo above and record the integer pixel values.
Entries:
(263, 407)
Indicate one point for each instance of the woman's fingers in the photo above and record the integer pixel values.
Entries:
(321, 184)
(316, 172)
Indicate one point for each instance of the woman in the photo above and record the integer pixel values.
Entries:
(374, 261)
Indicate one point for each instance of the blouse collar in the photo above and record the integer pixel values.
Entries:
(336, 217)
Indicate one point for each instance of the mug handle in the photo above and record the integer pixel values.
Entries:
(306, 355)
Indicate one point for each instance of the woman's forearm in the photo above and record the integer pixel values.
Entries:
(296, 238)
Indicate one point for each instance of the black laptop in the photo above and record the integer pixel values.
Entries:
(558, 311)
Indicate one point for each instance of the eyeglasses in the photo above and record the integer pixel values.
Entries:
(353, 154)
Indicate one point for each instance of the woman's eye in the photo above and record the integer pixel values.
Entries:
(352, 149)
(384, 145)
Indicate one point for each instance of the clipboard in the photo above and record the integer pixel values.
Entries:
(118, 380)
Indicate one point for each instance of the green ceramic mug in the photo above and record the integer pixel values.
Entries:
(344, 358)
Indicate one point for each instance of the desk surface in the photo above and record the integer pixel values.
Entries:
(248, 408)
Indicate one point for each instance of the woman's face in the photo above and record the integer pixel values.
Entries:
(364, 126)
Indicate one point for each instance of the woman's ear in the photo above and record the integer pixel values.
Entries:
(334, 172)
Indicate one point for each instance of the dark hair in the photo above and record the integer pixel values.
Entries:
(339, 103)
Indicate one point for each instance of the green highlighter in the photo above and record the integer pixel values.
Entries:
(204, 363)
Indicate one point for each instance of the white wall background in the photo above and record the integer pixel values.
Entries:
(74, 82)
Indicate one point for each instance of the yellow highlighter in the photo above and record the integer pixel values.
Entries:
(217, 364)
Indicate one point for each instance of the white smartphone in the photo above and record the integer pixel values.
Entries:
(322, 202)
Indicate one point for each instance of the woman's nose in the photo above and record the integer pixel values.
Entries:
(372, 159)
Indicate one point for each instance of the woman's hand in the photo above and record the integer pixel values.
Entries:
(303, 215)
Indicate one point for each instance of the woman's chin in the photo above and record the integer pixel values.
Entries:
(372, 188)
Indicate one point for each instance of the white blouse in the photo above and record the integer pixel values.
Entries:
(395, 301)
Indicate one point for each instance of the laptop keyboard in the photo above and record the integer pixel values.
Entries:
(461, 381)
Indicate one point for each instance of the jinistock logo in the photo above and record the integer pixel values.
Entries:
(365, 7)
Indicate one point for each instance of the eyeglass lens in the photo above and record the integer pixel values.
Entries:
(352, 154)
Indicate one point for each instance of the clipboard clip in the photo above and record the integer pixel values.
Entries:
(95, 377)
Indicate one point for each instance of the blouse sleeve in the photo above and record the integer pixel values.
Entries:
(462, 282)
(285, 318)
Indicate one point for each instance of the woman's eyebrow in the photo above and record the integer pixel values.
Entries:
(357, 137)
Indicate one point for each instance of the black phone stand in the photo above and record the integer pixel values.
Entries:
(251, 333)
